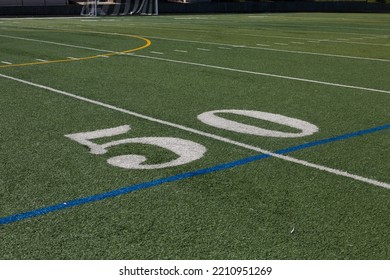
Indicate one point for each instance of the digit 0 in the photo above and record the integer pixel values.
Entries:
(211, 118)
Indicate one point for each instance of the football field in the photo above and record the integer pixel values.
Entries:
(236, 136)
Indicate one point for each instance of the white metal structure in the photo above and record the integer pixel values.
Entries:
(119, 7)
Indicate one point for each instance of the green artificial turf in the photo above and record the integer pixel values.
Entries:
(327, 69)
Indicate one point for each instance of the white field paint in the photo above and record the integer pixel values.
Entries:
(84, 138)
(260, 35)
(300, 38)
(212, 66)
(186, 150)
(160, 53)
(245, 34)
(205, 134)
(263, 74)
(42, 60)
(167, 23)
(202, 49)
(52, 43)
(274, 50)
(227, 46)
(361, 43)
(318, 31)
(181, 51)
(212, 119)
(6, 62)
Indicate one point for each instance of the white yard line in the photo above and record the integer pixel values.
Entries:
(6, 62)
(160, 53)
(300, 38)
(268, 36)
(281, 37)
(264, 74)
(41, 60)
(221, 46)
(209, 135)
(201, 49)
(244, 34)
(50, 42)
(274, 50)
(217, 67)
(180, 51)
(360, 43)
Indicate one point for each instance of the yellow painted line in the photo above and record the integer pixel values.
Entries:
(146, 45)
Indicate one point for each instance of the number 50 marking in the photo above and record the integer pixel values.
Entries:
(186, 150)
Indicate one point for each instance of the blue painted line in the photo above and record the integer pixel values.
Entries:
(333, 139)
(182, 176)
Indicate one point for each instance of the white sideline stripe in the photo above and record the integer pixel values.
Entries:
(271, 49)
(264, 74)
(258, 35)
(210, 66)
(269, 36)
(6, 62)
(209, 135)
(52, 43)
(211, 43)
(300, 38)
(271, 26)
(360, 43)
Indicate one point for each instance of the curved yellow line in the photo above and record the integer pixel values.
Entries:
(147, 44)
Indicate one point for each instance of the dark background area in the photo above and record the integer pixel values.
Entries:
(70, 8)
